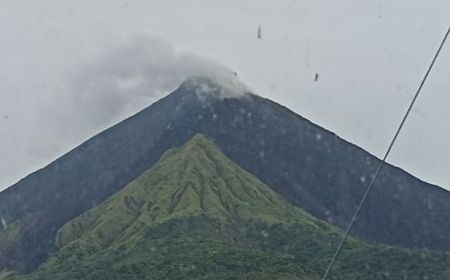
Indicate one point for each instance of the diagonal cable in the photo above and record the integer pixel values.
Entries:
(381, 164)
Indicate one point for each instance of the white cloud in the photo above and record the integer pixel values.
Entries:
(133, 73)
(366, 52)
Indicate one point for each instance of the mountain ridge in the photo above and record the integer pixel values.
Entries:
(197, 215)
(191, 180)
(322, 176)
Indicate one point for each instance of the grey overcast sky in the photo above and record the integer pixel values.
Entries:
(72, 68)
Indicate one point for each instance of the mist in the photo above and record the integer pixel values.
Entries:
(131, 75)
(125, 77)
(71, 69)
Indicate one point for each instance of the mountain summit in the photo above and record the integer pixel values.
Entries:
(309, 166)
(220, 87)
(196, 179)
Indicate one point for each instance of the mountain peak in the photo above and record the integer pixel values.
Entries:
(199, 143)
(195, 179)
(220, 85)
(200, 140)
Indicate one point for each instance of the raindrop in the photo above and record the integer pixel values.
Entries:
(4, 225)
(362, 179)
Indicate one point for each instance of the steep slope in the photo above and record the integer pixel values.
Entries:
(311, 167)
(197, 215)
(188, 181)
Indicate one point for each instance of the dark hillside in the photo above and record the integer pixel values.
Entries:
(308, 165)
(197, 215)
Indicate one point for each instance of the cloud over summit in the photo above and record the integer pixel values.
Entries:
(135, 73)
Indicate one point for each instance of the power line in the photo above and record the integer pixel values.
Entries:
(381, 164)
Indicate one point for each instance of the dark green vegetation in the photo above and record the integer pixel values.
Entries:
(197, 215)
(309, 166)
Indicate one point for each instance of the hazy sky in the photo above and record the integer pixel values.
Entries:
(72, 68)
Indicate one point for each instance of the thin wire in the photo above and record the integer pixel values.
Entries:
(381, 164)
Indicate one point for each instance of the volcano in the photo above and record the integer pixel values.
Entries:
(309, 166)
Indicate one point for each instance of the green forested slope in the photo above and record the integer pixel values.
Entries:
(197, 215)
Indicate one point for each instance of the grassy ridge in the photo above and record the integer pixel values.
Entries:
(195, 179)
(197, 215)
